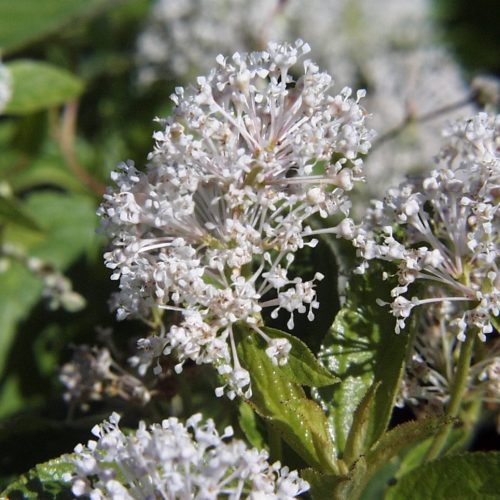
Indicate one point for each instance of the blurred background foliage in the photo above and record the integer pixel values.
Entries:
(76, 111)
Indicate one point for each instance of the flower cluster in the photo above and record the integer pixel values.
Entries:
(184, 37)
(443, 229)
(173, 460)
(92, 375)
(388, 46)
(430, 373)
(210, 230)
(5, 86)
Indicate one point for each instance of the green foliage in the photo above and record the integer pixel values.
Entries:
(38, 85)
(18, 293)
(68, 230)
(44, 481)
(352, 484)
(283, 403)
(249, 425)
(12, 212)
(358, 439)
(365, 353)
(46, 168)
(322, 485)
(24, 21)
(397, 440)
(468, 476)
(303, 367)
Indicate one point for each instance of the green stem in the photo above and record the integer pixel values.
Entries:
(457, 393)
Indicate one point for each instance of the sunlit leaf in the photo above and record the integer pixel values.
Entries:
(299, 420)
(43, 481)
(249, 425)
(39, 85)
(362, 350)
(303, 367)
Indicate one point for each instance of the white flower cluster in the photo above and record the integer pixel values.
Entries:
(430, 373)
(173, 460)
(5, 86)
(182, 38)
(409, 93)
(211, 228)
(387, 46)
(92, 375)
(443, 230)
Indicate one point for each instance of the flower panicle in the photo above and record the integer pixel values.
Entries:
(442, 230)
(210, 230)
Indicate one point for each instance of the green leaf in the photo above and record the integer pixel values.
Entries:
(249, 425)
(43, 481)
(24, 21)
(69, 223)
(303, 367)
(298, 420)
(18, 293)
(395, 441)
(356, 442)
(12, 212)
(38, 85)
(469, 476)
(362, 349)
(415, 456)
(361, 473)
(46, 169)
(322, 485)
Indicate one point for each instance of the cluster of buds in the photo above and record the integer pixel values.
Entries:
(173, 460)
(210, 229)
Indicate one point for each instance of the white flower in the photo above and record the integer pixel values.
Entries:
(181, 37)
(448, 227)
(236, 172)
(173, 460)
(5, 86)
